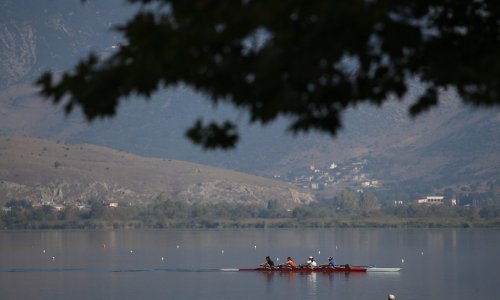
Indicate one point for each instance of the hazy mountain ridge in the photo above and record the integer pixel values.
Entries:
(450, 145)
(40, 170)
(36, 35)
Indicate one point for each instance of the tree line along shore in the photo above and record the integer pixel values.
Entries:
(22, 214)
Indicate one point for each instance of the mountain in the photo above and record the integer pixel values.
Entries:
(450, 147)
(41, 170)
(35, 35)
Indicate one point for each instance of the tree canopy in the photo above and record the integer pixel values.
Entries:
(306, 60)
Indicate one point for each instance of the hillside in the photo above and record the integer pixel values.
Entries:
(40, 170)
(450, 147)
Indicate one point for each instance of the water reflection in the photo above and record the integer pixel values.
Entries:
(312, 285)
(312, 277)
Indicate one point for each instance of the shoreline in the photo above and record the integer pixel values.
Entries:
(341, 222)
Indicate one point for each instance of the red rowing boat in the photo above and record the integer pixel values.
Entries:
(342, 268)
(313, 269)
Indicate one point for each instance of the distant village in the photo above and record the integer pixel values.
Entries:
(351, 175)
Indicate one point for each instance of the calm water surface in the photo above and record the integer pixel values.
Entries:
(185, 264)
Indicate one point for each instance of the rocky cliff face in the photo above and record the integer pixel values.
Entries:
(17, 51)
(40, 35)
(225, 191)
(71, 192)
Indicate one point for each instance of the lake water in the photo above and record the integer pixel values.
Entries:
(185, 264)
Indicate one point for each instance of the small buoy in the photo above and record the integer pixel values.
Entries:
(53, 257)
(43, 251)
(162, 258)
(222, 251)
(103, 245)
(391, 297)
(255, 246)
(178, 246)
(131, 251)
(319, 251)
(402, 260)
(336, 247)
(277, 259)
(422, 253)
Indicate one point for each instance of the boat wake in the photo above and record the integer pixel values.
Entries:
(97, 270)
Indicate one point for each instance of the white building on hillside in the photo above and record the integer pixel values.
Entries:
(431, 200)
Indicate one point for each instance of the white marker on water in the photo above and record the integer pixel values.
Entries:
(222, 251)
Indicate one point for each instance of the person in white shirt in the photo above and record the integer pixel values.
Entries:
(310, 262)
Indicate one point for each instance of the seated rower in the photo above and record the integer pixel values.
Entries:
(290, 263)
(331, 263)
(311, 263)
(269, 263)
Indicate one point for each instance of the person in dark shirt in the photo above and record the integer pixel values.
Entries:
(269, 263)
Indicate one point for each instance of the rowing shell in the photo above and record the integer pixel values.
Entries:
(325, 269)
(375, 269)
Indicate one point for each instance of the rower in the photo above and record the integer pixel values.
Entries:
(331, 262)
(269, 263)
(290, 263)
(310, 263)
